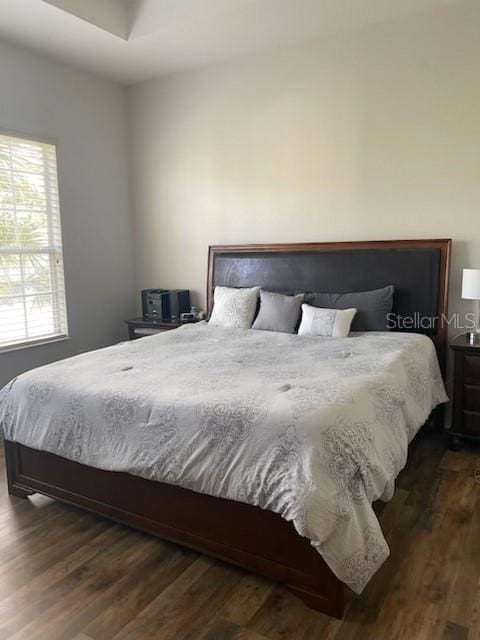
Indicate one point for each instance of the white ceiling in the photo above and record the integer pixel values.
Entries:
(132, 40)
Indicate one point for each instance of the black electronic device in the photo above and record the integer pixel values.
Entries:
(179, 302)
(155, 303)
(165, 304)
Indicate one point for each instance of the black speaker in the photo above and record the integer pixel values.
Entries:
(179, 302)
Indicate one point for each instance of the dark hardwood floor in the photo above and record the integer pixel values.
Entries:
(67, 575)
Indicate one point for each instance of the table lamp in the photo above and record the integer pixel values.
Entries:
(471, 291)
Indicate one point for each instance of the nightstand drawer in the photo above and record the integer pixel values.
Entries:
(140, 327)
(466, 391)
(471, 397)
(141, 332)
(471, 422)
(472, 368)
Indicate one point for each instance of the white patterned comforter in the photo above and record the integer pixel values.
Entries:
(312, 428)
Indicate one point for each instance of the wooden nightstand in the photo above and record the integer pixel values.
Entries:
(466, 392)
(140, 327)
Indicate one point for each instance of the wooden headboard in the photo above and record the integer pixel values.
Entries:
(418, 269)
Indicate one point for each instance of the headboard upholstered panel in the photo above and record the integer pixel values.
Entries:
(418, 269)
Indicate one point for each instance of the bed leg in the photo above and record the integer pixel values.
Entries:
(440, 413)
(436, 420)
(13, 466)
(331, 605)
(18, 492)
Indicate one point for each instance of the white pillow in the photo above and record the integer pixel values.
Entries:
(317, 321)
(234, 307)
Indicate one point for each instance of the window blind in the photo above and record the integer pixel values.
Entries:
(32, 288)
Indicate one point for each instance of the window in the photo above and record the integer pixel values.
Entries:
(32, 290)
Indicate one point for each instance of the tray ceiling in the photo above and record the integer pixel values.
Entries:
(132, 40)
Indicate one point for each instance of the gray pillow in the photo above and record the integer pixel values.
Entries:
(278, 312)
(372, 307)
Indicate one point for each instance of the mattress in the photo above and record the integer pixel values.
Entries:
(314, 429)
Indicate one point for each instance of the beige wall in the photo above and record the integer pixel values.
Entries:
(368, 136)
(87, 118)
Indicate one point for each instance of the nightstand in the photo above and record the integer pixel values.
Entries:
(140, 327)
(466, 392)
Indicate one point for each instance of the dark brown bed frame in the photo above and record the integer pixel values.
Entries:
(246, 535)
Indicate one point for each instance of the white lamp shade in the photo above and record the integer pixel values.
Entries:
(471, 284)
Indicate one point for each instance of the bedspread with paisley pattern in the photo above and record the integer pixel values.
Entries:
(314, 429)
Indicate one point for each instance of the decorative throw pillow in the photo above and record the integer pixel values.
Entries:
(278, 312)
(234, 307)
(317, 321)
(372, 307)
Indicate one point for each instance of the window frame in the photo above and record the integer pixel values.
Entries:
(48, 250)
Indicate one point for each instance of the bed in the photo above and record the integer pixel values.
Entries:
(263, 449)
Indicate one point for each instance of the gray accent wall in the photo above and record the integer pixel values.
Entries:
(86, 117)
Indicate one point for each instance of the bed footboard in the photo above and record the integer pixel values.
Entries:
(248, 536)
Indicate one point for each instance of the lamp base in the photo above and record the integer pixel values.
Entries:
(473, 338)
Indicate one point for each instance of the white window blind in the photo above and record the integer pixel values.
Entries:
(32, 289)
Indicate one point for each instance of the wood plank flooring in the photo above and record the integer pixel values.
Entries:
(67, 575)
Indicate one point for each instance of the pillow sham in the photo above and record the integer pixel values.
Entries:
(372, 307)
(278, 312)
(317, 321)
(233, 307)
